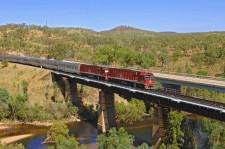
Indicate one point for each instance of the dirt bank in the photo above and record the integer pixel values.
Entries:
(9, 140)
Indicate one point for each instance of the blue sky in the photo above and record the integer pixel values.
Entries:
(99, 15)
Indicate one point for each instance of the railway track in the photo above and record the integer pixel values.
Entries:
(192, 99)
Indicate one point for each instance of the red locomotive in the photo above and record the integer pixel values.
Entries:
(117, 75)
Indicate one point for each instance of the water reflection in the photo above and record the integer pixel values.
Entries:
(141, 130)
(84, 132)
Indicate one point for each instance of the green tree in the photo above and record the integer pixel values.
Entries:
(130, 113)
(176, 55)
(163, 56)
(175, 136)
(151, 111)
(104, 55)
(59, 135)
(145, 59)
(144, 146)
(4, 109)
(189, 139)
(162, 146)
(197, 58)
(139, 104)
(115, 140)
(127, 57)
(17, 107)
(60, 50)
(61, 142)
(57, 128)
(212, 55)
(12, 146)
(215, 133)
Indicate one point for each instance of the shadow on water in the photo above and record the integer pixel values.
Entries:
(141, 130)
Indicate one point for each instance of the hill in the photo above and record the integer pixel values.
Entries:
(122, 46)
(127, 31)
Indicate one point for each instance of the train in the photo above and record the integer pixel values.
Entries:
(132, 78)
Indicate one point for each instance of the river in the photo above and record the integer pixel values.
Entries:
(84, 132)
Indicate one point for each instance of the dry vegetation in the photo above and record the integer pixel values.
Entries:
(39, 84)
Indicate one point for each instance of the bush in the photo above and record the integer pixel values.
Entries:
(189, 70)
(202, 72)
(25, 86)
(71, 110)
(57, 110)
(5, 63)
(179, 70)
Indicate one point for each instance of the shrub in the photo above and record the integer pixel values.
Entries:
(5, 63)
(179, 70)
(71, 110)
(189, 70)
(25, 86)
(202, 72)
(14, 66)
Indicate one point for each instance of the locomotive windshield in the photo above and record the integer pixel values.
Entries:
(148, 77)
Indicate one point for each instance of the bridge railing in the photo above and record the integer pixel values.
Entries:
(196, 95)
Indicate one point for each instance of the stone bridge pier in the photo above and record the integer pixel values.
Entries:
(106, 113)
(160, 123)
(68, 87)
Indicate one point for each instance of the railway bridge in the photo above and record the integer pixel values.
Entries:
(166, 101)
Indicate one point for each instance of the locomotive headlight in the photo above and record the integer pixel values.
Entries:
(106, 71)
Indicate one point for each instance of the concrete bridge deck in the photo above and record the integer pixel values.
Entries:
(203, 83)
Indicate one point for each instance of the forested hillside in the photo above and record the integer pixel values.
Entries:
(122, 46)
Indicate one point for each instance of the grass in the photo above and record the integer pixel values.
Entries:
(12, 76)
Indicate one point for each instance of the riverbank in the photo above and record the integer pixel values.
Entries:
(12, 139)
(6, 124)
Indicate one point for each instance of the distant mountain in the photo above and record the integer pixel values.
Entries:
(127, 31)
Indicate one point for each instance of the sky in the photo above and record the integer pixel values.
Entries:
(99, 15)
